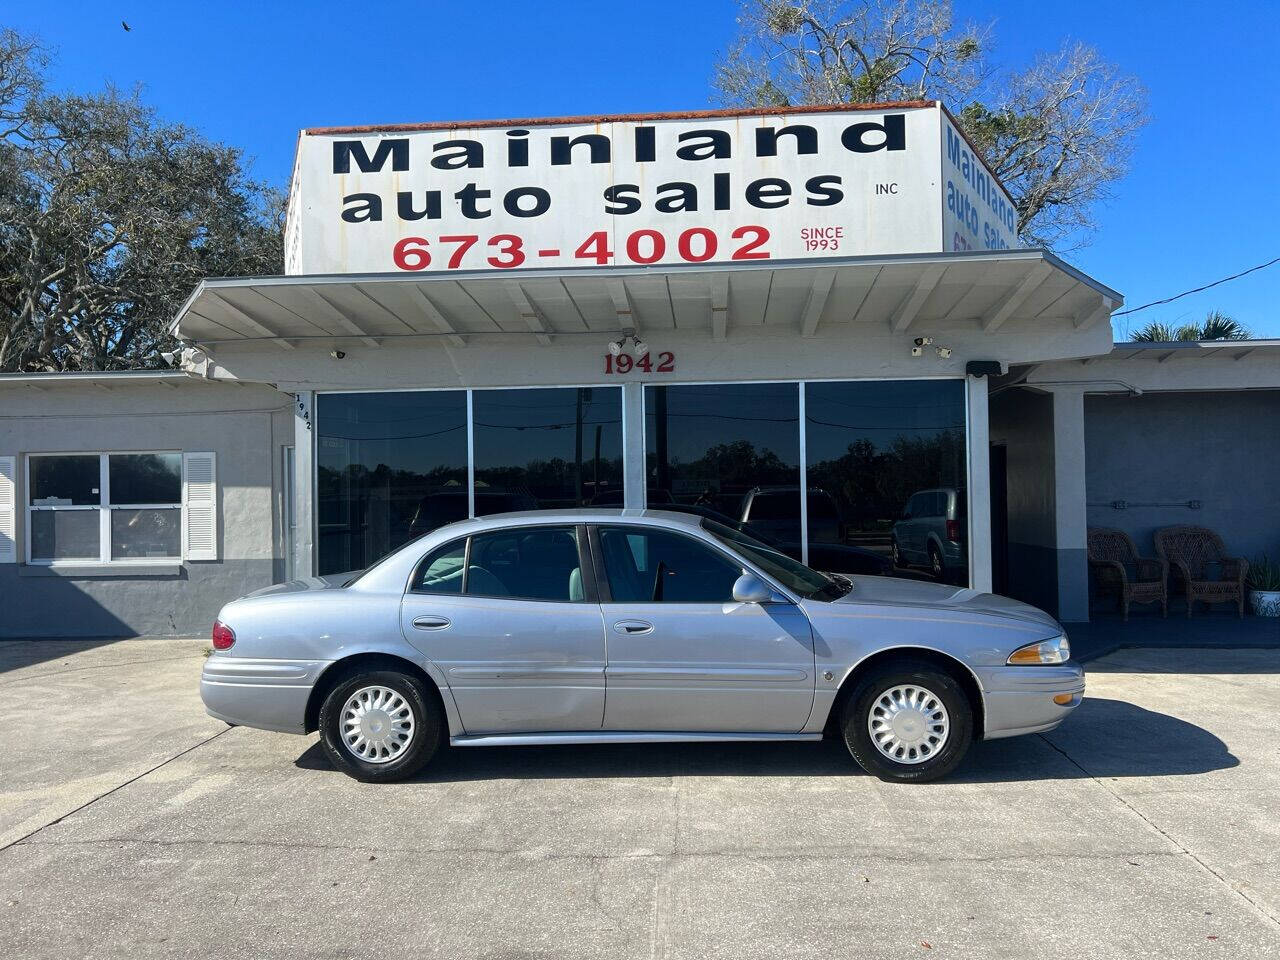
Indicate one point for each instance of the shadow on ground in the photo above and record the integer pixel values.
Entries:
(16, 654)
(1104, 738)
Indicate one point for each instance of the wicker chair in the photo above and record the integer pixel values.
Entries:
(1199, 557)
(1116, 565)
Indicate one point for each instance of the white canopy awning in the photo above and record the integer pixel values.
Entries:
(991, 291)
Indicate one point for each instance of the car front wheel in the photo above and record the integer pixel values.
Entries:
(380, 726)
(908, 722)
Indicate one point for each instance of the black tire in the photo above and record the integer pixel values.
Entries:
(937, 566)
(424, 741)
(939, 682)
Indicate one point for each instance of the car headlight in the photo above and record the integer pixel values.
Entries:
(1056, 650)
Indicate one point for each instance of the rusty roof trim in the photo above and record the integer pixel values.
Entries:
(624, 117)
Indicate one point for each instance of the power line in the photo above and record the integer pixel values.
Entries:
(1187, 293)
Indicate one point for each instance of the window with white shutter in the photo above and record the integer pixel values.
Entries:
(8, 510)
(200, 498)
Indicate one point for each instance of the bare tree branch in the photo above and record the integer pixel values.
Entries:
(1059, 134)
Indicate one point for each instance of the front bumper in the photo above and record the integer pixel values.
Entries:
(268, 694)
(1020, 699)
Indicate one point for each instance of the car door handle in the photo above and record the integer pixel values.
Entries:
(431, 623)
(633, 628)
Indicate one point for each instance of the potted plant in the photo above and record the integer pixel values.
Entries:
(1264, 586)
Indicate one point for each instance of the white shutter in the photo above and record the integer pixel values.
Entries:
(8, 510)
(200, 500)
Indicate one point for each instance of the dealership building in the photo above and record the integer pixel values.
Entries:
(817, 324)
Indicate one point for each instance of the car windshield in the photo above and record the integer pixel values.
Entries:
(792, 574)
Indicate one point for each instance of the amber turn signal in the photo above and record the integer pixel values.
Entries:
(1064, 699)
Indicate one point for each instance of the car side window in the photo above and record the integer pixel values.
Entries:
(441, 572)
(525, 563)
(648, 566)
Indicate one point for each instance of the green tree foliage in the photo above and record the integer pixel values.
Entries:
(1216, 326)
(1058, 133)
(108, 219)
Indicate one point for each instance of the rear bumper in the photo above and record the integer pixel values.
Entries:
(1019, 700)
(268, 694)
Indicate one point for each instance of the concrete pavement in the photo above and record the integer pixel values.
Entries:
(133, 825)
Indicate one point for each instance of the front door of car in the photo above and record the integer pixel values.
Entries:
(513, 623)
(683, 655)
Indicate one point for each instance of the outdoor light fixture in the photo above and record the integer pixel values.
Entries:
(617, 346)
(338, 354)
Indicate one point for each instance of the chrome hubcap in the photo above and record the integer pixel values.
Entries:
(908, 723)
(377, 724)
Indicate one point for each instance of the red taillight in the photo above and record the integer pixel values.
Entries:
(223, 636)
(953, 531)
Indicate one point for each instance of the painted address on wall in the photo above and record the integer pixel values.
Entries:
(664, 189)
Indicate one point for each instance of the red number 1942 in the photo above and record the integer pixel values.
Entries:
(625, 363)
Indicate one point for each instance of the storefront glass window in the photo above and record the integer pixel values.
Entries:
(730, 452)
(390, 467)
(886, 473)
(546, 449)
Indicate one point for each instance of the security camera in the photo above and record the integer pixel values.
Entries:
(338, 354)
(917, 352)
(944, 353)
(923, 341)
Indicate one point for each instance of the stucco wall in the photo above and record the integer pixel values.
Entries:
(244, 425)
(1221, 448)
(1022, 421)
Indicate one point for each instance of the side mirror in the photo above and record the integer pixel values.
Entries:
(749, 588)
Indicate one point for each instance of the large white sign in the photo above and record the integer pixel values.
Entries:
(694, 189)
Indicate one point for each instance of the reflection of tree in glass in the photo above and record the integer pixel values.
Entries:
(145, 478)
(551, 482)
(726, 472)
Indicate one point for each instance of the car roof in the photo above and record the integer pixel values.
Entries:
(496, 521)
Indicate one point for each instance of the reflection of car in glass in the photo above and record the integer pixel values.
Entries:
(831, 557)
(775, 512)
(509, 629)
(931, 532)
(449, 506)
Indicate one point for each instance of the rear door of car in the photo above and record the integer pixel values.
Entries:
(683, 655)
(511, 618)
(910, 536)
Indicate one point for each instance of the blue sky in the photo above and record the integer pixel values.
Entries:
(1201, 201)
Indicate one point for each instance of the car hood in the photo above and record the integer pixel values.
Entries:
(917, 594)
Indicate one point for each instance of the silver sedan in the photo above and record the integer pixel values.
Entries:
(613, 626)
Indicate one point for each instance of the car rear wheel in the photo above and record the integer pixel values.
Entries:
(908, 721)
(380, 726)
(936, 564)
